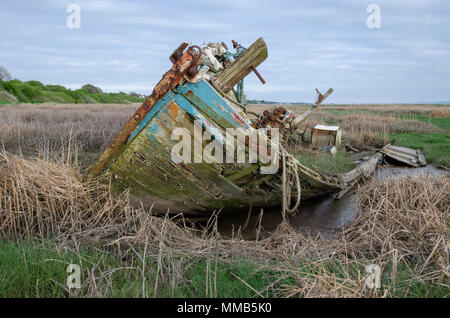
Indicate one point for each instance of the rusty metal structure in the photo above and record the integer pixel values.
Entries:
(200, 87)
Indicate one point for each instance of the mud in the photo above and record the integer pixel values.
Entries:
(323, 217)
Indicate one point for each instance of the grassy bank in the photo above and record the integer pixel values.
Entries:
(38, 268)
(436, 147)
(15, 91)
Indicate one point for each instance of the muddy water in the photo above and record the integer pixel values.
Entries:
(324, 216)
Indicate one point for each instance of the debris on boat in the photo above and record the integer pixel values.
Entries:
(411, 157)
(350, 148)
(331, 149)
(202, 95)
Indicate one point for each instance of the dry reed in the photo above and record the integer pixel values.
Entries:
(403, 221)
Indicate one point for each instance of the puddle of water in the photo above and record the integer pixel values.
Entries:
(323, 216)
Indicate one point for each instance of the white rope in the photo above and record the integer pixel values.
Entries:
(290, 175)
(289, 168)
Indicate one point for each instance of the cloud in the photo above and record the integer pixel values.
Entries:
(124, 45)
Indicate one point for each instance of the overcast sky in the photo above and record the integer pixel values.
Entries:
(124, 45)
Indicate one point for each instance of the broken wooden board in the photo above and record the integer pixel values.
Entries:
(363, 170)
(411, 157)
(239, 69)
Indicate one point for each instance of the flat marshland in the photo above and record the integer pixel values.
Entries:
(50, 218)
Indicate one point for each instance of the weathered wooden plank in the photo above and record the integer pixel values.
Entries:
(242, 173)
(254, 56)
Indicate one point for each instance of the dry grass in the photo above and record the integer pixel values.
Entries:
(48, 128)
(40, 198)
(368, 126)
(388, 109)
(366, 131)
(402, 223)
(440, 113)
(409, 215)
(405, 220)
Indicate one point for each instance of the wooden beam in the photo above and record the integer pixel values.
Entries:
(242, 173)
(239, 69)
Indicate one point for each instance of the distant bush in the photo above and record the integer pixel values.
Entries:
(36, 92)
(14, 87)
(36, 84)
(30, 91)
(7, 98)
(55, 88)
(86, 99)
(134, 94)
(91, 89)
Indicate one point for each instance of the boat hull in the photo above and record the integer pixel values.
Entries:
(146, 167)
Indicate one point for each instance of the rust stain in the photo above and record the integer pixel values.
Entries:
(173, 109)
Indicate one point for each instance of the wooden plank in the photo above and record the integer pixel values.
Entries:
(230, 76)
(242, 173)
(301, 118)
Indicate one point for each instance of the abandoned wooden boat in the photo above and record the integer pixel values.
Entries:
(200, 87)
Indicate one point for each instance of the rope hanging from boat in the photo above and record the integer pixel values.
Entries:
(290, 169)
(290, 178)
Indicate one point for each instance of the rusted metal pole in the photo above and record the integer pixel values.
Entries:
(181, 67)
(257, 74)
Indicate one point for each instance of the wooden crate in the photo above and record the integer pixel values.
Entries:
(324, 136)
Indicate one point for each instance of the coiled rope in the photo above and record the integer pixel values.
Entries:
(290, 178)
(290, 172)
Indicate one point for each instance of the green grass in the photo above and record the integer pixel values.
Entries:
(35, 268)
(38, 269)
(36, 92)
(323, 161)
(441, 122)
(436, 147)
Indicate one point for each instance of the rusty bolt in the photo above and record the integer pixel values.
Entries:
(193, 70)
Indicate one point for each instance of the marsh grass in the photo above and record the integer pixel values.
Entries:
(49, 217)
(47, 128)
(436, 147)
(323, 161)
(32, 268)
(37, 129)
(367, 131)
(128, 251)
(365, 127)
